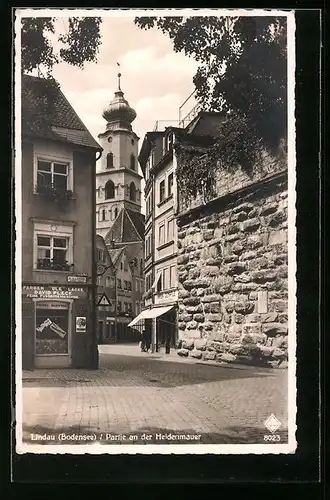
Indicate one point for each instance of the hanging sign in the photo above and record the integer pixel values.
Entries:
(104, 301)
(52, 326)
(77, 278)
(81, 323)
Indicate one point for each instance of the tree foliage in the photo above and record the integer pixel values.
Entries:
(242, 71)
(79, 45)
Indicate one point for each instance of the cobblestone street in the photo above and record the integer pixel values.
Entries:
(136, 393)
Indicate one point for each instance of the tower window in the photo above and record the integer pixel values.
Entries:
(132, 192)
(170, 184)
(132, 162)
(116, 212)
(132, 142)
(109, 190)
(110, 160)
(110, 139)
(102, 215)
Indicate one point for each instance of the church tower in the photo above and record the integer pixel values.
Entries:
(118, 182)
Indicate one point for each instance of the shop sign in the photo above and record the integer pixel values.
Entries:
(108, 318)
(164, 297)
(52, 305)
(53, 292)
(81, 323)
(52, 326)
(77, 278)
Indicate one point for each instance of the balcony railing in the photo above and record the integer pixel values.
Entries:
(53, 265)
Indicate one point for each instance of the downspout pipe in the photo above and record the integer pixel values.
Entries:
(94, 361)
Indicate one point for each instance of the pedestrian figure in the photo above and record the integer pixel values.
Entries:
(143, 340)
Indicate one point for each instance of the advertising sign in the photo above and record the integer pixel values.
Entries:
(77, 278)
(81, 323)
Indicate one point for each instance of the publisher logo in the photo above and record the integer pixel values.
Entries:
(272, 423)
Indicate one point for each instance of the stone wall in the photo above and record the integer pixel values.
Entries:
(233, 276)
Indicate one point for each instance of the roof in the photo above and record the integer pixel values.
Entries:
(127, 228)
(146, 145)
(206, 123)
(47, 113)
(115, 253)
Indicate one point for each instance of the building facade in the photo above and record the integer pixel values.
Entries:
(58, 231)
(106, 293)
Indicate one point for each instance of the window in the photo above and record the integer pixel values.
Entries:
(125, 285)
(108, 282)
(121, 265)
(53, 249)
(119, 283)
(100, 254)
(166, 278)
(51, 252)
(110, 160)
(170, 230)
(162, 191)
(132, 142)
(53, 174)
(161, 235)
(109, 190)
(129, 286)
(52, 326)
(132, 162)
(173, 281)
(159, 281)
(119, 305)
(98, 280)
(125, 265)
(116, 212)
(170, 184)
(137, 284)
(102, 215)
(132, 191)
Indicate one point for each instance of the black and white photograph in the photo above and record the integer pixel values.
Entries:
(155, 253)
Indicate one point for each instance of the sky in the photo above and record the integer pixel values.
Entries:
(155, 80)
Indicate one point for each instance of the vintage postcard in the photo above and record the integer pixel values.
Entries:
(155, 231)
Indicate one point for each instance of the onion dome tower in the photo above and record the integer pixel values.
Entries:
(118, 182)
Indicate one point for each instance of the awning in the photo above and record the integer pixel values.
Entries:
(150, 313)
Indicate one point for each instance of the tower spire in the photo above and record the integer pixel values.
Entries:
(119, 89)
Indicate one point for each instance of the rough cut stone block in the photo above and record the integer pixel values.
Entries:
(281, 259)
(211, 298)
(183, 352)
(263, 275)
(273, 329)
(214, 318)
(266, 350)
(235, 349)
(192, 301)
(209, 355)
(252, 329)
(269, 317)
(236, 268)
(251, 225)
(219, 336)
(233, 228)
(237, 248)
(185, 317)
(232, 237)
(279, 305)
(278, 237)
(268, 209)
(196, 354)
(254, 242)
(200, 344)
(279, 340)
(245, 207)
(279, 353)
(226, 357)
(182, 259)
(277, 218)
(199, 318)
(182, 326)
(192, 325)
(183, 276)
(194, 309)
(239, 318)
(206, 327)
(181, 235)
(253, 318)
(208, 234)
(183, 294)
(210, 270)
(244, 307)
(188, 344)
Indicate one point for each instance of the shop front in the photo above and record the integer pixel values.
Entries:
(57, 326)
